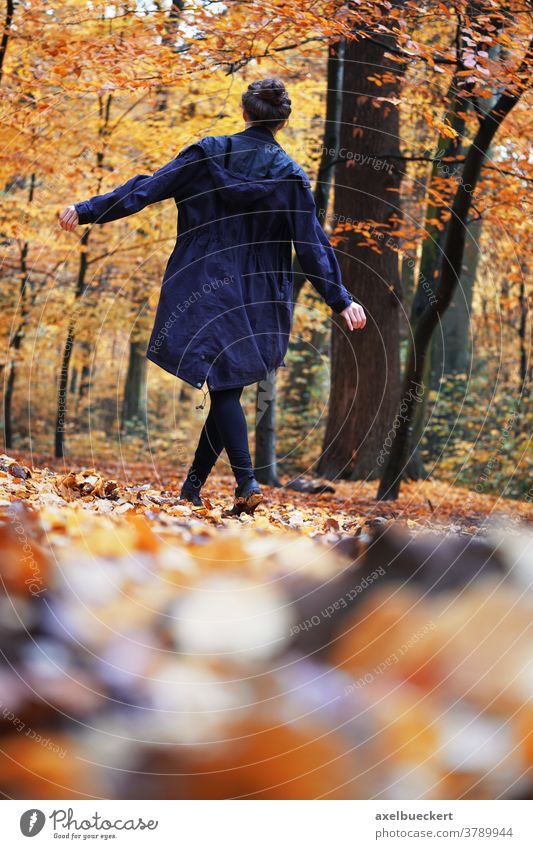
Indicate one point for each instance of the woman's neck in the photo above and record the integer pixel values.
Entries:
(258, 126)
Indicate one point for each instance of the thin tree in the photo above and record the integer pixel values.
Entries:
(8, 23)
(79, 290)
(450, 272)
(15, 343)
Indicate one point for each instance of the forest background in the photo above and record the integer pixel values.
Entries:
(412, 122)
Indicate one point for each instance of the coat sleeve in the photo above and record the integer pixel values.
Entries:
(313, 249)
(169, 181)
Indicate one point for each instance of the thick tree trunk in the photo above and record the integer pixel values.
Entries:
(450, 273)
(134, 405)
(365, 369)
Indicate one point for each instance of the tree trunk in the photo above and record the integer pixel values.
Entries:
(86, 369)
(449, 275)
(8, 401)
(365, 367)
(445, 164)
(73, 380)
(16, 341)
(8, 21)
(435, 224)
(62, 394)
(134, 405)
(523, 336)
(265, 432)
(452, 350)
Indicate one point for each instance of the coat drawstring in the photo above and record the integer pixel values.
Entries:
(202, 405)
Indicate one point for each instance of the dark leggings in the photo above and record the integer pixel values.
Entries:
(225, 427)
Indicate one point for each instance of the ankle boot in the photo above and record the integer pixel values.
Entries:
(247, 497)
(191, 493)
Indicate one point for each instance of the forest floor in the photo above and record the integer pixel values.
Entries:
(116, 488)
(139, 629)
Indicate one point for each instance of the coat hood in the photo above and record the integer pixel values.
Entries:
(248, 166)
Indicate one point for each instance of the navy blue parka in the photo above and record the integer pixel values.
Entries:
(225, 309)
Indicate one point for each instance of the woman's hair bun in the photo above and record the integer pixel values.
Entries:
(273, 91)
(267, 102)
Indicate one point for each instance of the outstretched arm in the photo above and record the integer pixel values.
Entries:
(317, 258)
(138, 192)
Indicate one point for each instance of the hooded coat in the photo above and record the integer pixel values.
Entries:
(225, 308)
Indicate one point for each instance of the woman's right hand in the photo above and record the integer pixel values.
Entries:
(354, 316)
(68, 219)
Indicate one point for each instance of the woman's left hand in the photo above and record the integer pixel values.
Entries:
(68, 219)
(354, 316)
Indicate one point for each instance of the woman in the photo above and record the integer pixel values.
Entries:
(225, 309)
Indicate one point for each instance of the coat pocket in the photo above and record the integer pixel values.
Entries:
(279, 279)
(280, 284)
(285, 285)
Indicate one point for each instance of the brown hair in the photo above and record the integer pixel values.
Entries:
(267, 102)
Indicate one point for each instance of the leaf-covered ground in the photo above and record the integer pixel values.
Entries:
(328, 647)
(140, 489)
